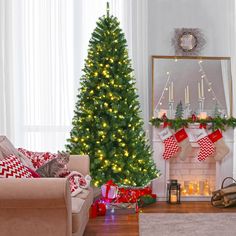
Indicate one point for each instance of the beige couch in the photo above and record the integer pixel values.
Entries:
(43, 206)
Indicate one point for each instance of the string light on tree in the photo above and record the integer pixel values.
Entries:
(108, 115)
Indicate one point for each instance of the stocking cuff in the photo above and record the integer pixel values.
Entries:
(215, 136)
(200, 134)
(165, 134)
(181, 135)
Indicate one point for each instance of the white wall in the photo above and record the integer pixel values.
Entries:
(212, 16)
(216, 18)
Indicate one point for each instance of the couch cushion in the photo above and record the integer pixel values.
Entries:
(1, 155)
(7, 149)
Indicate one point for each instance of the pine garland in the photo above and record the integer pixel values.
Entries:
(211, 123)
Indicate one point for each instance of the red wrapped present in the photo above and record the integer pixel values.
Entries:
(109, 191)
(101, 209)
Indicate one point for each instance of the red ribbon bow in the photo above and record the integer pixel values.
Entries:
(109, 183)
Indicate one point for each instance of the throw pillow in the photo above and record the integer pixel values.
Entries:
(1, 155)
(7, 149)
(34, 173)
(38, 158)
(56, 167)
(12, 167)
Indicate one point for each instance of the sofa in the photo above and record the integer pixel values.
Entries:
(44, 206)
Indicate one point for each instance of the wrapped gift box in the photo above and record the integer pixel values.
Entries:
(109, 190)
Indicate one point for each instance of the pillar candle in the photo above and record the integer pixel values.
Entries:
(202, 88)
(199, 91)
(172, 91)
(169, 94)
(185, 96)
(187, 91)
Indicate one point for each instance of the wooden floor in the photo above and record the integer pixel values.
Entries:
(127, 225)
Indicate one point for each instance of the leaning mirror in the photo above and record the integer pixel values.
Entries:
(201, 84)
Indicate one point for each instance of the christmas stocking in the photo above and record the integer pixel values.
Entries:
(171, 148)
(183, 141)
(221, 148)
(207, 148)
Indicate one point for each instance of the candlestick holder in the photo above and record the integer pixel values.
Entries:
(201, 104)
(186, 110)
(171, 109)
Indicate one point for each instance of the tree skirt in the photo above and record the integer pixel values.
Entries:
(189, 224)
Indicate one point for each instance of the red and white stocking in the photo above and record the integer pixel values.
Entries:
(171, 148)
(183, 141)
(207, 148)
(221, 148)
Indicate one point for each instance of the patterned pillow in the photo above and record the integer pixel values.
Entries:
(38, 159)
(12, 167)
(7, 149)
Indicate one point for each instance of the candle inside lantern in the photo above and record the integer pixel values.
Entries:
(173, 198)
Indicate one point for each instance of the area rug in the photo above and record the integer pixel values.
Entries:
(187, 224)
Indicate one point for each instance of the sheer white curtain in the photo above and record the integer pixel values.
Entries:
(37, 72)
(43, 47)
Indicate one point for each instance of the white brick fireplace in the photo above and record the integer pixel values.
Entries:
(197, 178)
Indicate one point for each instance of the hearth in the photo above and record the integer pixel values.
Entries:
(198, 178)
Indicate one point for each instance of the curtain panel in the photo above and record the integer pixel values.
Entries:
(43, 47)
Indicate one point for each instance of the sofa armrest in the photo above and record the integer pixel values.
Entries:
(80, 163)
(29, 193)
(40, 206)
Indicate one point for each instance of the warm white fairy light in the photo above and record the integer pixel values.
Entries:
(165, 89)
(210, 89)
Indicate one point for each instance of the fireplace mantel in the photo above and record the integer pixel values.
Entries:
(223, 169)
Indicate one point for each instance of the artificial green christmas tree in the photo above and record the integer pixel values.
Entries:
(216, 112)
(179, 111)
(106, 124)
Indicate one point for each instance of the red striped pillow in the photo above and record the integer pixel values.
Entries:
(12, 167)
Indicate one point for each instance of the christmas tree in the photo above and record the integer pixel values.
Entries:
(216, 112)
(179, 111)
(106, 124)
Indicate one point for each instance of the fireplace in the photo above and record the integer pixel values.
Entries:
(198, 178)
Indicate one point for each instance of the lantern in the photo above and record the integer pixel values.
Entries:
(173, 192)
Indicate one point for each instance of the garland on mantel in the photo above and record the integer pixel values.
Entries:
(209, 123)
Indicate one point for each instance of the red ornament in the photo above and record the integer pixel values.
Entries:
(166, 124)
(164, 117)
(194, 118)
(202, 126)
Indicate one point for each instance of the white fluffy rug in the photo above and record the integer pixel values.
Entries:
(187, 224)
